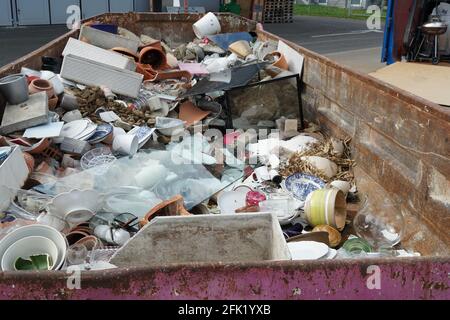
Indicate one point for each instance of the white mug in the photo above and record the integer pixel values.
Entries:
(126, 144)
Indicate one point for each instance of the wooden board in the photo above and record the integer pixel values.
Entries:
(422, 79)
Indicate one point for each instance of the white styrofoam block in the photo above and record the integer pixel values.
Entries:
(107, 40)
(82, 49)
(92, 73)
(14, 171)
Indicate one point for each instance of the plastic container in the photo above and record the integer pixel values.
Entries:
(206, 26)
(14, 88)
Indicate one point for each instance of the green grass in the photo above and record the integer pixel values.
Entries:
(326, 11)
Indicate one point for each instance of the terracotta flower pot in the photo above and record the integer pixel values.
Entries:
(52, 102)
(177, 74)
(153, 56)
(171, 207)
(39, 85)
(279, 60)
(147, 71)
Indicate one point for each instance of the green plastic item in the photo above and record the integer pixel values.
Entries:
(37, 262)
(232, 7)
(356, 245)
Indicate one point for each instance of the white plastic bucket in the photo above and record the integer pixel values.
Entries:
(206, 26)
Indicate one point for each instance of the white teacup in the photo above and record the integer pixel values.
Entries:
(126, 144)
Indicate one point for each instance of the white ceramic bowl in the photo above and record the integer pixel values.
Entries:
(37, 230)
(230, 201)
(26, 247)
(76, 206)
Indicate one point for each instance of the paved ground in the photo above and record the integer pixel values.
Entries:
(346, 41)
(17, 42)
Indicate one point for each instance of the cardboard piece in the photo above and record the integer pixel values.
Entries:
(191, 114)
(425, 80)
(295, 60)
(25, 115)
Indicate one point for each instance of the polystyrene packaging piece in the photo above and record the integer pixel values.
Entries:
(107, 40)
(94, 73)
(83, 49)
(14, 171)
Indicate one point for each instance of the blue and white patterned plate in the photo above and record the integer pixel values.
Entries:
(102, 131)
(4, 152)
(143, 133)
(301, 185)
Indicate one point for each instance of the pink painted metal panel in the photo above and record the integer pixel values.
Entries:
(418, 278)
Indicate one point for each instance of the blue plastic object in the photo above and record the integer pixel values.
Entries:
(389, 33)
(224, 40)
(111, 28)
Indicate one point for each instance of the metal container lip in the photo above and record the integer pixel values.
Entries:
(11, 78)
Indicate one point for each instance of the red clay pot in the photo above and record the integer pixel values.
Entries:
(39, 85)
(153, 56)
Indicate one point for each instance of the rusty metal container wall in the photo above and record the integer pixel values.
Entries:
(400, 143)
(406, 279)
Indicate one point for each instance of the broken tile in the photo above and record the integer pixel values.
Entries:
(191, 114)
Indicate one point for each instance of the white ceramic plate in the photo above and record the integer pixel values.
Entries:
(90, 130)
(307, 250)
(332, 253)
(229, 201)
(74, 128)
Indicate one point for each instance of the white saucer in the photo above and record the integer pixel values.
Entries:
(332, 253)
(74, 128)
(87, 133)
(229, 201)
(307, 250)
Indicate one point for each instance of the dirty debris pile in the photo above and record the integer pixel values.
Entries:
(124, 140)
